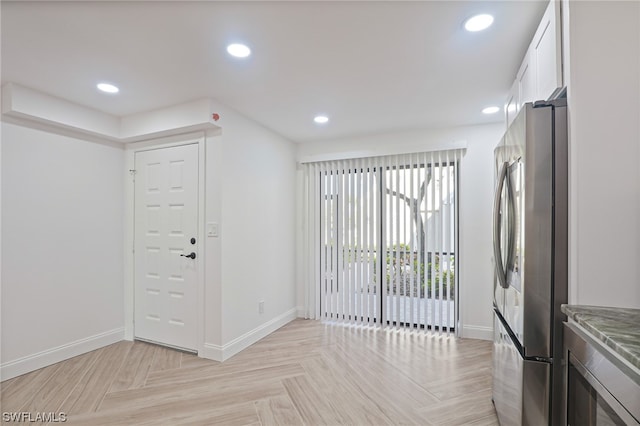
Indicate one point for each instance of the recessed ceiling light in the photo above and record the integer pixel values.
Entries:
(107, 88)
(478, 22)
(490, 110)
(238, 50)
(321, 119)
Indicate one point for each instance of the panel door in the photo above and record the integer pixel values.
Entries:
(166, 220)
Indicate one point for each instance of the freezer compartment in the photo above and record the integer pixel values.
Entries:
(521, 388)
(507, 376)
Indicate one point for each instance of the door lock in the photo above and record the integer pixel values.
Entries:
(190, 256)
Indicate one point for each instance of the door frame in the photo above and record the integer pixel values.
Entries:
(131, 149)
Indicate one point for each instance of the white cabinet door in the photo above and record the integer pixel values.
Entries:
(540, 74)
(527, 80)
(547, 53)
(512, 106)
(166, 220)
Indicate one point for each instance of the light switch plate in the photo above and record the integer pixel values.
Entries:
(212, 229)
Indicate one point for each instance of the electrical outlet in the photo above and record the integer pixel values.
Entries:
(261, 307)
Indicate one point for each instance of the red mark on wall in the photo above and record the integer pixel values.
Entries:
(215, 116)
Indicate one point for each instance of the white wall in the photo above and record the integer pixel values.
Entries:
(476, 206)
(62, 247)
(251, 194)
(476, 199)
(602, 69)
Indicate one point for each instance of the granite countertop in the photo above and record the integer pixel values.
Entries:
(618, 328)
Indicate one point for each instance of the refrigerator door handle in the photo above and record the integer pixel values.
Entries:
(497, 249)
(511, 223)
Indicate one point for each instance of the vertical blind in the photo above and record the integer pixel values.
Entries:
(381, 240)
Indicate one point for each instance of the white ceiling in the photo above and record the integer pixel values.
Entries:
(372, 67)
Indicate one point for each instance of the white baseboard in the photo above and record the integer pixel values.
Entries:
(300, 312)
(47, 357)
(128, 333)
(477, 332)
(224, 352)
(211, 351)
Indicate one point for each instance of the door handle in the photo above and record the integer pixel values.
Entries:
(192, 255)
(512, 224)
(497, 249)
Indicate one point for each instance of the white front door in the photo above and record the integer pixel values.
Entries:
(166, 231)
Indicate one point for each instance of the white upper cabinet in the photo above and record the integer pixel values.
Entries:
(540, 74)
(526, 79)
(512, 106)
(546, 50)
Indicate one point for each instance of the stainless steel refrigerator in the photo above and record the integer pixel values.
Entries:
(530, 259)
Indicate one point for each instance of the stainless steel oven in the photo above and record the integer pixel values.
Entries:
(601, 389)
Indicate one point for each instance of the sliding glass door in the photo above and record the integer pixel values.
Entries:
(387, 241)
(419, 235)
(350, 241)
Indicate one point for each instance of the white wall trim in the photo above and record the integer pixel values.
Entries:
(476, 332)
(212, 352)
(48, 357)
(25, 121)
(202, 247)
(224, 352)
(23, 102)
(300, 312)
(59, 115)
(129, 227)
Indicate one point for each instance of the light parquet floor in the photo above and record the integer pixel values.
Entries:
(307, 372)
